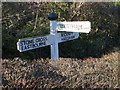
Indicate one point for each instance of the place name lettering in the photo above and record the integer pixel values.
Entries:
(69, 26)
(26, 42)
(41, 39)
(66, 34)
(32, 46)
(68, 38)
(33, 43)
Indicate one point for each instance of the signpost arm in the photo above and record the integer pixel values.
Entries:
(54, 47)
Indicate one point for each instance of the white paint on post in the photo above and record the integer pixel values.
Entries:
(54, 46)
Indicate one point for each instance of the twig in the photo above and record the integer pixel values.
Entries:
(77, 10)
(36, 19)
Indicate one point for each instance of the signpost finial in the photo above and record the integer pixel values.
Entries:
(52, 16)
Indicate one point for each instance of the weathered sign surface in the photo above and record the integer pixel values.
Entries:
(33, 43)
(37, 42)
(82, 26)
(66, 36)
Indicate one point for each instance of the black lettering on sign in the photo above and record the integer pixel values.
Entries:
(21, 48)
(61, 25)
(22, 43)
(26, 42)
(42, 43)
(68, 38)
(41, 39)
(72, 37)
(66, 34)
(26, 47)
(35, 45)
(78, 27)
(68, 26)
(32, 43)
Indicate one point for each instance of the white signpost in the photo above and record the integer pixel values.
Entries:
(72, 32)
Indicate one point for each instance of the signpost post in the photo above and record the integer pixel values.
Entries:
(72, 32)
(54, 46)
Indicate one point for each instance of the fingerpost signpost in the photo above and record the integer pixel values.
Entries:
(72, 32)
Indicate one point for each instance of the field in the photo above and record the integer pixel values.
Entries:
(65, 73)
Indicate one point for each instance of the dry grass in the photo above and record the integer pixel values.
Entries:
(64, 73)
